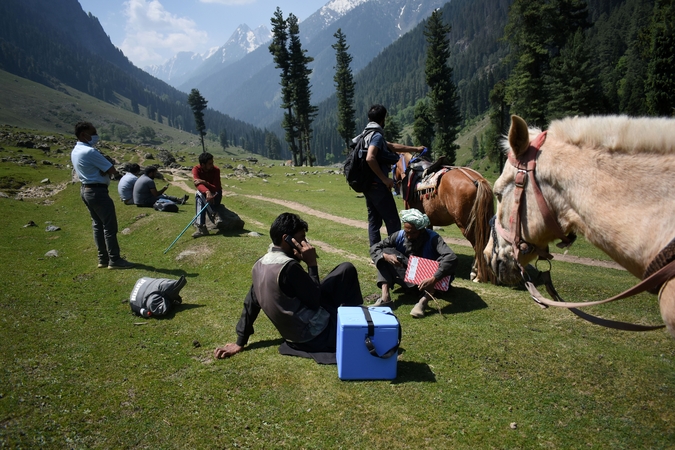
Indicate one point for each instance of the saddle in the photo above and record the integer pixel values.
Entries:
(425, 176)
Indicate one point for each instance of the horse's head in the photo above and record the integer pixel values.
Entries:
(523, 225)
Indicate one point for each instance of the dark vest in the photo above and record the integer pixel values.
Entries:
(294, 321)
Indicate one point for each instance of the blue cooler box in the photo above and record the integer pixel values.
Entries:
(354, 361)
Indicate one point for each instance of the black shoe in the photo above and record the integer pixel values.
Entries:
(185, 199)
(120, 264)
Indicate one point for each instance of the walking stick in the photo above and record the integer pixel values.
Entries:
(438, 306)
(188, 226)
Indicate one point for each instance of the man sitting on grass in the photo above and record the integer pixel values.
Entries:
(126, 185)
(302, 308)
(391, 258)
(146, 193)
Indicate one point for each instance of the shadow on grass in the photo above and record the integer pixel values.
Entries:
(461, 300)
(263, 344)
(464, 264)
(177, 309)
(174, 272)
(410, 371)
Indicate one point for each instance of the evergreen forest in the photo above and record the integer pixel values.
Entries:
(542, 60)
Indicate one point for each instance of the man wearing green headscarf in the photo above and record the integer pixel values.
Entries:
(391, 258)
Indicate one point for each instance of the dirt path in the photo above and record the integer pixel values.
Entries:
(364, 225)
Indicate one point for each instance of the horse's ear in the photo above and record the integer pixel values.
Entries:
(519, 136)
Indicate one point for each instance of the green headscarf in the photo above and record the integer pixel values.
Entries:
(415, 218)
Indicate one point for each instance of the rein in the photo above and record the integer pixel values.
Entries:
(526, 165)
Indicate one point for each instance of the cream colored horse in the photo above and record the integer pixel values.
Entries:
(611, 179)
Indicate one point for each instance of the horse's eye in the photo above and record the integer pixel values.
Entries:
(499, 196)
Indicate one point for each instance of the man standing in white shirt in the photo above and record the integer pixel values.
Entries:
(94, 172)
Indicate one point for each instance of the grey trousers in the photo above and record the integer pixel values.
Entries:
(103, 221)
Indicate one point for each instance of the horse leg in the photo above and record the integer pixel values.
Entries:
(667, 305)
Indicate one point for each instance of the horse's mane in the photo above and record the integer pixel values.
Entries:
(612, 133)
(617, 133)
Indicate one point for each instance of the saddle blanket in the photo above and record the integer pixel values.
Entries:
(430, 182)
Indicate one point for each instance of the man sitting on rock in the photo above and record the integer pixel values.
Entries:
(391, 258)
(210, 192)
(146, 193)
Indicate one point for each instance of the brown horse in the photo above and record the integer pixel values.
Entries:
(462, 197)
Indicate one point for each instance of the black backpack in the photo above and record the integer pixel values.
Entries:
(357, 172)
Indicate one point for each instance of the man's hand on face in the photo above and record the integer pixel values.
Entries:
(227, 350)
(305, 252)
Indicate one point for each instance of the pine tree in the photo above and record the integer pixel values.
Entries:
(272, 145)
(660, 84)
(499, 121)
(442, 90)
(423, 126)
(572, 84)
(475, 148)
(537, 31)
(223, 139)
(279, 50)
(344, 86)
(392, 132)
(198, 105)
(300, 72)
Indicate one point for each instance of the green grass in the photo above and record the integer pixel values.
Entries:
(77, 371)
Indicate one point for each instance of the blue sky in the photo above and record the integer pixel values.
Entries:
(152, 31)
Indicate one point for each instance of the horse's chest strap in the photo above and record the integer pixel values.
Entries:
(665, 257)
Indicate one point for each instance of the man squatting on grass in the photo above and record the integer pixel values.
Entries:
(391, 258)
(94, 171)
(206, 178)
(146, 193)
(303, 309)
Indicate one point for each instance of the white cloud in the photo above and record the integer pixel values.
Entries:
(153, 34)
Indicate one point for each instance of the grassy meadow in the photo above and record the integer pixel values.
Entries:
(492, 370)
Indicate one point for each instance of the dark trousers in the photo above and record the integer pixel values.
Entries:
(381, 208)
(390, 274)
(103, 221)
(162, 198)
(340, 288)
(200, 201)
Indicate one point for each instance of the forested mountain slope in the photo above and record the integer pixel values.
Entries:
(55, 41)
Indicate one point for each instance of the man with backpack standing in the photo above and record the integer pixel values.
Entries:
(380, 157)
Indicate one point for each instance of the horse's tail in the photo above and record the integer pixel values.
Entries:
(482, 211)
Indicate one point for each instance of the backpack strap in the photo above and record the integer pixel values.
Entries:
(371, 332)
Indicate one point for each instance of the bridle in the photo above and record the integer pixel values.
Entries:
(525, 165)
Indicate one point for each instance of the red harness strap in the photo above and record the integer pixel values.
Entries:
(526, 166)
